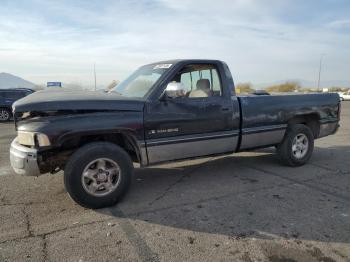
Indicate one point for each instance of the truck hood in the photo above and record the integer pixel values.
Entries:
(50, 100)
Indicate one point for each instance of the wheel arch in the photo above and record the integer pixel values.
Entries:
(123, 138)
(311, 120)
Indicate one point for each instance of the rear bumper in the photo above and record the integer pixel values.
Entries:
(24, 160)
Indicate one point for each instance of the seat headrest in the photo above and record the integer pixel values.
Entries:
(203, 84)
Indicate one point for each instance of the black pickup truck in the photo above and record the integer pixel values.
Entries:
(164, 111)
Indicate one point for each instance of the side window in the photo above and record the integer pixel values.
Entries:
(195, 77)
(16, 95)
(200, 80)
(8, 95)
(206, 74)
(186, 81)
(13, 95)
(216, 82)
(21, 94)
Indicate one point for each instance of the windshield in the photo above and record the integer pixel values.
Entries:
(141, 81)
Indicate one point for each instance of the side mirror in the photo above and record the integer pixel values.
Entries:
(175, 89)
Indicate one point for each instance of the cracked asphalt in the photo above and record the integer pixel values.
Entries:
(241, 207)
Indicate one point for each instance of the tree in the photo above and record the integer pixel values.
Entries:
(335, 89)
(285, 87)
(244, 88)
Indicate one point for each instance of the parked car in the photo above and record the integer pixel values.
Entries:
(261, 92)
(345, 96)
(164, 111)
(7, 98)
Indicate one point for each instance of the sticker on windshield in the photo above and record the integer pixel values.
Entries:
(162, 66)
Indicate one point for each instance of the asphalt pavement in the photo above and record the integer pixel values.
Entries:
(240, 207)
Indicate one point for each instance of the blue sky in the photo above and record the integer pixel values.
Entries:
(262, 41)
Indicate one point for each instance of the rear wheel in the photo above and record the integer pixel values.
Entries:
(98, 174)
(297, 145)
(5, 114)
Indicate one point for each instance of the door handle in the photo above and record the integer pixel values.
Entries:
(225, 109)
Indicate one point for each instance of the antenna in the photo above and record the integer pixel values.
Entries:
(95, 74)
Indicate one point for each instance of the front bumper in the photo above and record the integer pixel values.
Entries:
(24, 160)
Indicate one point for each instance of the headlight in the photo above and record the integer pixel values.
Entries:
(42, 139)
(28, 138)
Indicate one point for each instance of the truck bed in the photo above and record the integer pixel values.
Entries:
(264, 118)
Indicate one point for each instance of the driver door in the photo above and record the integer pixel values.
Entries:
(192, 125)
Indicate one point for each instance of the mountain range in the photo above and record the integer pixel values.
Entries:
(12, 81)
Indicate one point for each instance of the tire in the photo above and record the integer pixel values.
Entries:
(5, 114)
(82, 175)
(297, 138)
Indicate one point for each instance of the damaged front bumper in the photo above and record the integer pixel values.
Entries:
(24, 160)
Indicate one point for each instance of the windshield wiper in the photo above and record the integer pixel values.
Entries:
(120, 94)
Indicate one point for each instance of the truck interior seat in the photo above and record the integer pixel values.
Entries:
(202, 89)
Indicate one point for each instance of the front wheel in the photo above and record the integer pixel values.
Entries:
(297, 145)
(98, 174)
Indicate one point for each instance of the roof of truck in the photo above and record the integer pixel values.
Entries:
(175, 61)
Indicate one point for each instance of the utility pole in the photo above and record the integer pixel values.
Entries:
(95, 74)
(319, 72)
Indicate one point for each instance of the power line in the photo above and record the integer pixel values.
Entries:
(95, 74)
